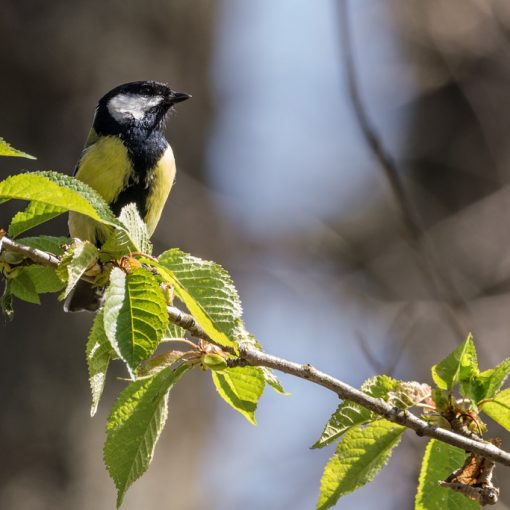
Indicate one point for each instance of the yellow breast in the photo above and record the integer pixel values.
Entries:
(106, 167)
(160, 180)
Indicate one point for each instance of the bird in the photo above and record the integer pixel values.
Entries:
(126, 159)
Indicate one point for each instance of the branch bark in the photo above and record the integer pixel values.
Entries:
(38, 256)
(250, 356)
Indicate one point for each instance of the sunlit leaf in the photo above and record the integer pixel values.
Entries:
(458, 367)
(60, 191)
(35, 214)
(440, 461)
(134, 426)
(498, 408)
(6, 149)
(135, 316)
(240, 387)
(349, 414)
(361, 454)
(209, 294)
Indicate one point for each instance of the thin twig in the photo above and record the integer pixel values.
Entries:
(438, 285)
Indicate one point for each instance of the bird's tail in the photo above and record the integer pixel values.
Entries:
(84, 297)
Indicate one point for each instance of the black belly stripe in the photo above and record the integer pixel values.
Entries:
(144, 153)
(137, 193)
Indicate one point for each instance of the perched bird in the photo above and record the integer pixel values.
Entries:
(126, 159)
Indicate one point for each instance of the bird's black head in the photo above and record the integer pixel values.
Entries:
(139, 106)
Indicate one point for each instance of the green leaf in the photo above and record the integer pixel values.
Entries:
(174, 331)
(134, 426)
(135, 237)
(349, 414)
(54, 245)
(135, 316)
(459, 367)
(23, 288)
(154, 365)
(44, 278)
(6, 302)
(408, 394)
(498, 408)
(99, 352)
(35, 214)
(439, 462)
(7, 149)
(273, 381)
(209, 294)
(380, 386)
(58, 190)
(79, 257)
(240, 387)
(361, 454)
(488, 383)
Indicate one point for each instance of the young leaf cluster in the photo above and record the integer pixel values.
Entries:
(132, 326)
(367, 441)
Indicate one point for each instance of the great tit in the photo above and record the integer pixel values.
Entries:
(126, 159)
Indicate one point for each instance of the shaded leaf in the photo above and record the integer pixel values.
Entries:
(79, 257)
(154, 365)
(23, 288)
(45, 279)
(54, 245)
(99, 352)
(6, 303)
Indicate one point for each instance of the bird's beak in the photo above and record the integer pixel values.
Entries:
(177, 97)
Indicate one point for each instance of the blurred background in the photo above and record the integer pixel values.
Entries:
(336, 264)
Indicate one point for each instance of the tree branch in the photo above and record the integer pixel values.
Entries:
(249, 355)
(38, 256)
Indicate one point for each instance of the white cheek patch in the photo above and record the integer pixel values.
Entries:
(124, 107)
